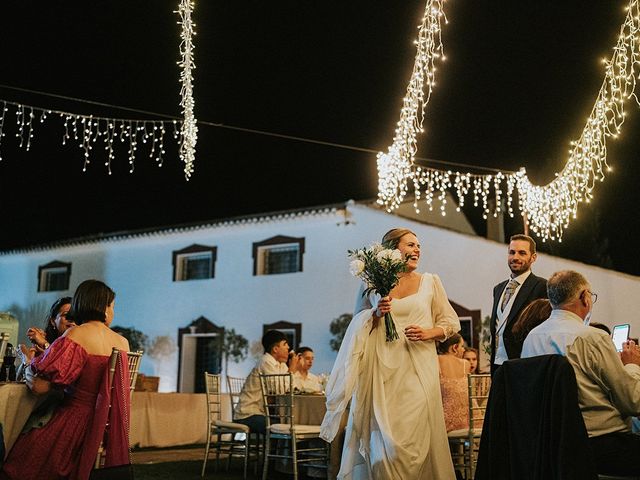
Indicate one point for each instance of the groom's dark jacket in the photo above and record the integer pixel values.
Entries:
(534, 287)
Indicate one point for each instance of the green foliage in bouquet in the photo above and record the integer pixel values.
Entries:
(379, 268)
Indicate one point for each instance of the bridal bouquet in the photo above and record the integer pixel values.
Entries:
(379, 267)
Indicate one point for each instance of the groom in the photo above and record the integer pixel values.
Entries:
(511, 296)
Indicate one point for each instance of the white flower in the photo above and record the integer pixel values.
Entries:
(396, 255)
(376, 247)
(384, 254)
(356, 267)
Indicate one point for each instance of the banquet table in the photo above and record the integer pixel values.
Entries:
(16, 404)
(309, 409)
(169, 419)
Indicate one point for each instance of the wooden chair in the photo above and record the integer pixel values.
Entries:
(222, 434)
(113, 361)
(4, 341)
(133, 359)
(277, 396)
(234, 385)
(464, 442)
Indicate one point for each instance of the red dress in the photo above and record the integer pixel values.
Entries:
(66, 447)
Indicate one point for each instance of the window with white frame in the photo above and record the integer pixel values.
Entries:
(279, 254)
(196, 262)
(54, 277)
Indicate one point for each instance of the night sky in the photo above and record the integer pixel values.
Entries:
(518, 84)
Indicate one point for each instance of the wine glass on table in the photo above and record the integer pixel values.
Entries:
(8, 365)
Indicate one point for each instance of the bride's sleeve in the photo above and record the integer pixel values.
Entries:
(444, 316)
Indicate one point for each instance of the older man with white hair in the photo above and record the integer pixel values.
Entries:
(608, 382)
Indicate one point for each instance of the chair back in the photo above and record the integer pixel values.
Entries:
(113, 361)
(277, 398)
(4, 341)
(234, 385)
(533, 429)
(478, 388)
(133, 360)
(212, 383)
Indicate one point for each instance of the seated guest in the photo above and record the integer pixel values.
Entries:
(533, 315)
(78, 361)
(453, 382)
(55, 325)
(303, 379)
(250, 410)
(471, 355)
(608, 389)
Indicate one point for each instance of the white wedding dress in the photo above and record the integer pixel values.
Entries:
(396, 426)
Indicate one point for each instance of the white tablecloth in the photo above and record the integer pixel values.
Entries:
(16, 404)
(168, 419)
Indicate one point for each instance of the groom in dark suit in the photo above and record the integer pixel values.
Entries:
(511, 297)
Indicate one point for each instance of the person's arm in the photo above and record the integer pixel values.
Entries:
(619, 378)
(38, 338)
(36, 384)
(445, 319)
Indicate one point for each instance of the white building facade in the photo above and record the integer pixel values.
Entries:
(236, 289)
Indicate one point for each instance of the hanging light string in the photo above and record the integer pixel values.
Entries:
(550, 208)
(547, 209)
(396, 167)
(189, 128)
(86, 130)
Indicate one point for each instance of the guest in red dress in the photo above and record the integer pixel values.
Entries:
(78, 361)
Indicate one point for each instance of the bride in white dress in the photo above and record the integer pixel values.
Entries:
(396, 426)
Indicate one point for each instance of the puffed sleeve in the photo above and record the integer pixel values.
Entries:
(444, 316)
(61, 363)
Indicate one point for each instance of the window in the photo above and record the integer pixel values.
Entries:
(278, 254)
(293, 331)
(196, 262)
(54, 277)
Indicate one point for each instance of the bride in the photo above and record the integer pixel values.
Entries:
(396, 426)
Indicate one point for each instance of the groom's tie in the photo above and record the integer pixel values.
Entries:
(508, 293)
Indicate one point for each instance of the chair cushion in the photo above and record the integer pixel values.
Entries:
(231, 426)
(285, 428)
(464, 432)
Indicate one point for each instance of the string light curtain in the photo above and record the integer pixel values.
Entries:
(189, 125)
(547, 209)
(86, 130)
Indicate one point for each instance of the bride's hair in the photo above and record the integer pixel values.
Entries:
(393, 236)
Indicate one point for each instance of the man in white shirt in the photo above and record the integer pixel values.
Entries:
(250, 410)
(303, 380)
(511, 296)
(608, 388)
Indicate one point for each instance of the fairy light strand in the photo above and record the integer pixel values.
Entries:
(86, 130)
(189, 127)
(547, 209)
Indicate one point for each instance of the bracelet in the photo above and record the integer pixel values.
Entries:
(46, 345)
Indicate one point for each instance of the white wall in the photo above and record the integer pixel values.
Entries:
(140, 271)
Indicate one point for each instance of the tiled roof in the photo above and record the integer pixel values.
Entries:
(187, 227)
